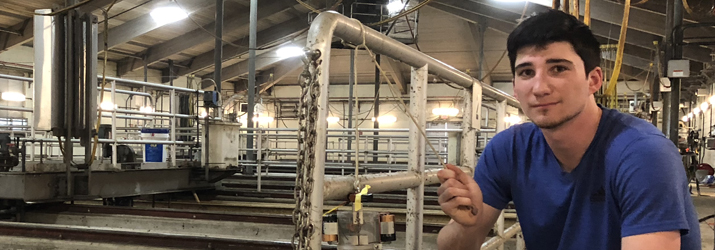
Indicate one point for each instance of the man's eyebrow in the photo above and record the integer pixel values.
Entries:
(522, 65)
(559, 60)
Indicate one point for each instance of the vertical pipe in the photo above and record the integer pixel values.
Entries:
(667, 43)
(251, 80)
(675, 82)
(69, 99)
(259, 146)
(376, 124)
(416, 161)
(114, 127)
(351, 81)
(173, 111)
(218, 47)
(501, 126)
(470, 126)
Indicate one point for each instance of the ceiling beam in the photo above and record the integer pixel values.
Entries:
(236, 20)
(476, 32)
(25, 28)
(280, 72)
(264, 60)
(512, 12)
(503, 25)
(145, 23)
(263, 38)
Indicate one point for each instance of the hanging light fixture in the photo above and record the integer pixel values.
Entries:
(696, 110)
(168, 14)
(704, 106)
(685, 118)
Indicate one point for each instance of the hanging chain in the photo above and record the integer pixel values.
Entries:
(307, 118)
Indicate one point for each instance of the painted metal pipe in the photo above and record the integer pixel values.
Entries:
(331, 23)
(121, 91)
(21, 109)
(151, 85)
(497, 241)
(18, 78)
(416, 158)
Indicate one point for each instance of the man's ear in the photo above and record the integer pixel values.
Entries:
(513, 85)
(595, 80)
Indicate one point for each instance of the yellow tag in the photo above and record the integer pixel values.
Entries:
(358, 198)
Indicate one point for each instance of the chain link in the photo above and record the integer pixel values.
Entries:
(307, 118)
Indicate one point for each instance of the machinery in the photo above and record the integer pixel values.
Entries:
(9, 153)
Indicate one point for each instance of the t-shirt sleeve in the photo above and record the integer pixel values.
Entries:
(490, 171)
(652, 185)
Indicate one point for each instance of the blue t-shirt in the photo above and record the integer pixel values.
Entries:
(630, 181)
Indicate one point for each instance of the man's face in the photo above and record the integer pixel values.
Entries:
(551, 83)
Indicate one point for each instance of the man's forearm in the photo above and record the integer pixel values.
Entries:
(457, 237)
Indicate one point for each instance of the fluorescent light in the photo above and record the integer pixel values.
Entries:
(445, 111)
(289, 51)
(685, 118)
(696, 111)
(395, 6)
(146, 109)
(13, 97)
(387, 119)
(168, 14)
(107, 106)
(263, 119)
(704, 106)
(333, 119)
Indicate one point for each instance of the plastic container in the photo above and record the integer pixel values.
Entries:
(155, 152)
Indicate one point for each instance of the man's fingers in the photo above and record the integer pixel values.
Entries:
(460, 175)
(445, 174)
(453, 193)
(451, 183)
(456, 203)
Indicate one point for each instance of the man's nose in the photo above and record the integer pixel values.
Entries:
(541, 85)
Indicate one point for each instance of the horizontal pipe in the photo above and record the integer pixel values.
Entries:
(18, 78)
(118, 141)
(497, 241)
(126, 117)
(151, 85)
(21, 109)
(121, 91)
(338, 188)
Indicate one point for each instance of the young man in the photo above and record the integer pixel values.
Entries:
(581, 176)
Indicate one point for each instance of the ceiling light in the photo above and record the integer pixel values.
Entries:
(685, 118)
(690, 115)
(13, 97)
(704, 106)
(107, 106)
(445, 111)
(696, 111)
(168, 14)
(289, 51)
(387, 119)
(333, 119)
(395, 6)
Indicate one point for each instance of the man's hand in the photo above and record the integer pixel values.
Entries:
(459, 196)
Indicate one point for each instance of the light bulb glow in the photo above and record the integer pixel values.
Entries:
(712, 100)
(685, 118)
(445, 111)
(146, 109)
(203, 114)
(263, 119)
(13, 97)
(168, 14)
(289, 51)
(704, 106)
(512, 119)
(333, 119)
(395, 6)
(690, 115)
(696, 111)
(107, 106)
(387, 119)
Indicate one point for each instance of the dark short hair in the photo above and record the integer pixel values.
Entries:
(552, 26)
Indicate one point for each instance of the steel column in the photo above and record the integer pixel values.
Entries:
(675, 82)
(218, 45)
(173, 110)
(416, 161)
(252, 78)
(376, 110)
(114, 127)
(471, 116)
(351, 81)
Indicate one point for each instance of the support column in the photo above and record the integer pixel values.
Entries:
(251, 81)
(470, 126)
(675, 82)
(376, 113)
(416, 161)
(351, 81)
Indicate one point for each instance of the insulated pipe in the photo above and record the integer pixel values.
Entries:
(18, 78)
(331, 23)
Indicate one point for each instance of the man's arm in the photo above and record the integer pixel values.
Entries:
(459, 237)
(660, 240)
